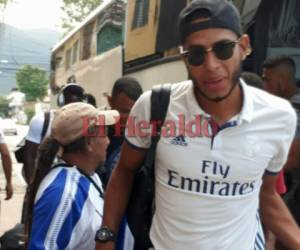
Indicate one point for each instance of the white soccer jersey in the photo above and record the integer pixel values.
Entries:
(67, 212)
(207, 189)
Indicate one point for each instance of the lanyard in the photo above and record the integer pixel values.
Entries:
(92, 181)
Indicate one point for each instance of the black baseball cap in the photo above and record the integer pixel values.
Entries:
(220, 14)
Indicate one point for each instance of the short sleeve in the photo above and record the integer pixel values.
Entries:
(35, 129)
(295, 101)
(297, 135)
(137, 133)
(287, 135)
(2, 140)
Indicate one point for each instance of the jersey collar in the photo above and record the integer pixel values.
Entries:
(246, 113)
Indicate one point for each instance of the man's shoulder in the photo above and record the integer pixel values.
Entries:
(57, 179)
(177, 89)
(37, 119)
(263, 99)
(36, 127)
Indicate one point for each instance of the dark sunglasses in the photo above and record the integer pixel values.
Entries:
(223, 50)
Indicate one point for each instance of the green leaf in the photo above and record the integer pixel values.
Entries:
(76, 10)
(33, 81)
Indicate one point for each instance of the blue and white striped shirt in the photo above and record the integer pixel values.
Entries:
(67, 212)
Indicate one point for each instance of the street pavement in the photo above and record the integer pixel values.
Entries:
(10, 212)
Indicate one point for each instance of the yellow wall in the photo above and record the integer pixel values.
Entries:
(141, 41)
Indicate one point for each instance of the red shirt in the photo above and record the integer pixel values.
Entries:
(280, 184)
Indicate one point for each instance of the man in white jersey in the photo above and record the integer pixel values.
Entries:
(208, 189)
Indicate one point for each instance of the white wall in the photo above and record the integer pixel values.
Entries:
(96, 75)
(170, 72)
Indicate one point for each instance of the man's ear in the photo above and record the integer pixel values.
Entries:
(283, 80)
(245, 46)
(89, 144)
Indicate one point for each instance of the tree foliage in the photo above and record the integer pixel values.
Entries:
(4, 2)
(76, 10)
(32, 81)
(4, 108)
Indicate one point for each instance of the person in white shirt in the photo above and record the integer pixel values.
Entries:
(16, 100)
(66, 199)
(211, 189)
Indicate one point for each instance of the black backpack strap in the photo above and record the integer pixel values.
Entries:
(160, 98)
(45, 125)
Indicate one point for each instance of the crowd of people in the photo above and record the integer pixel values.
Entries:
(237, 188)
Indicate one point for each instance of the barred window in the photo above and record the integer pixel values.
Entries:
(110, 36)
(141, 13)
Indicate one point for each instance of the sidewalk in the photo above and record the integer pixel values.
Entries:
(10, 211)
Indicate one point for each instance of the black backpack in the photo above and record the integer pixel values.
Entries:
(141, 205)
(13, 239)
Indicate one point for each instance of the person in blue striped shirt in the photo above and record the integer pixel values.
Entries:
(66, 203)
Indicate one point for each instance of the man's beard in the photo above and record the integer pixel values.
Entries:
(235, 81)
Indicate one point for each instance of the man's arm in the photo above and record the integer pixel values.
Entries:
(118, 189)
(33, 140)
(294, 156)
(30, 152)
(276, 216)
(7, 168)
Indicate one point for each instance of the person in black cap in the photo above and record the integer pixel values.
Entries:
(211, 187)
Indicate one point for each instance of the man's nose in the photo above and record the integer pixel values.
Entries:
(211, 62)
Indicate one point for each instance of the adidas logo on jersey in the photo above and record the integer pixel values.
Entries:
(179, 140)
